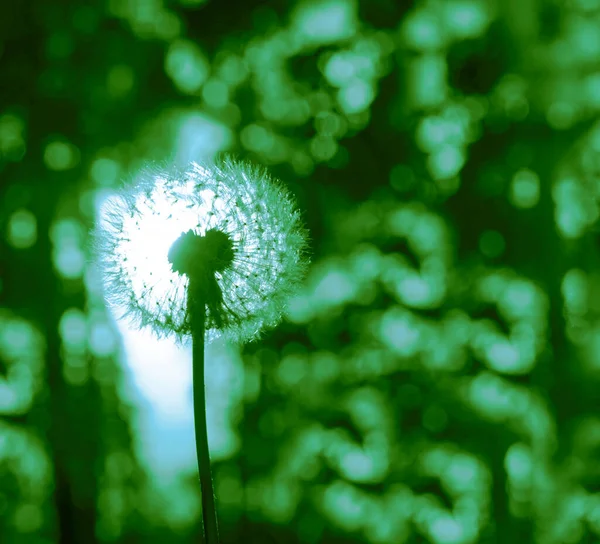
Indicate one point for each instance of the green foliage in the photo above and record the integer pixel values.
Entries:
(436, 377)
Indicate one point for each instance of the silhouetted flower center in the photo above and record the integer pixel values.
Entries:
(199, 257)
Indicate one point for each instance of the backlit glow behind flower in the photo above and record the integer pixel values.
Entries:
(139, 226)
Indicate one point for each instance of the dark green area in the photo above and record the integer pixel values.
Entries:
(437, 378)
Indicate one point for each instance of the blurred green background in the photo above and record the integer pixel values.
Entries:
(436, 380)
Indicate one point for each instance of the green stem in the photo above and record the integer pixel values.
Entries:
(209, 511)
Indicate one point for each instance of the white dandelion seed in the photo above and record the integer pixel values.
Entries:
(231, 208)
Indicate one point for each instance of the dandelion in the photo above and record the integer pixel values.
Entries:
(238, 203)
(202, 251)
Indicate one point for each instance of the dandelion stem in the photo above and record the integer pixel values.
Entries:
(209, 511)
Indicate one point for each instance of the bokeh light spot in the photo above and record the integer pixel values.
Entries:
(518, 462)
(466, 18)
(67, 236)
(426, 81)
(504, 357)
(102, 340)
(324, 21)
(215, 93)
(73, 330)
(446, 530)
(575, 289)
(60, 155)
(446, 162)
(22, 229)
(105, 172)
(525, 189)
(187, 66)
(12, 137)
(421, 30)
(356, 96)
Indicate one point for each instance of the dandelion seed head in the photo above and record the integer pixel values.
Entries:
(249, 229)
